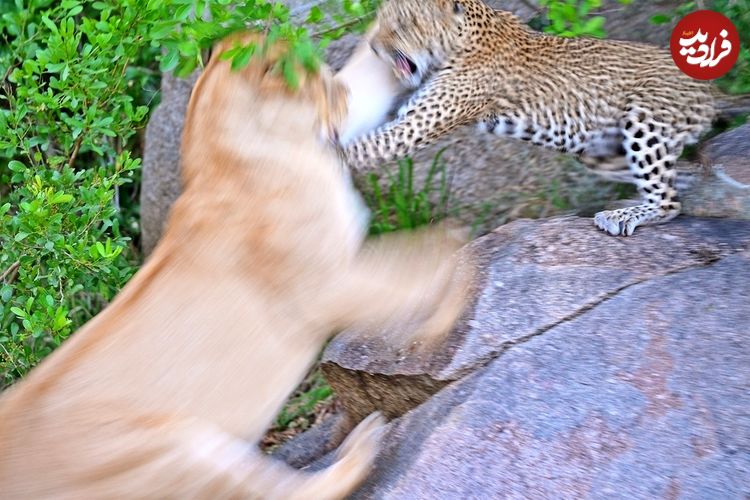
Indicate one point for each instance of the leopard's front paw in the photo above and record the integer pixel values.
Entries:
(620, 222)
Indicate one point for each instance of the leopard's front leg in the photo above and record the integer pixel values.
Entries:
(651, 155)
(446, 102)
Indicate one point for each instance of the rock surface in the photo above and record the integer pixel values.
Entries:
(161, 183)
(532, 276)
(587, 366)
(643, 396)
(724, 190)
(730, 152)
(313, 444)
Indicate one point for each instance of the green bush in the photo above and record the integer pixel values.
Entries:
(571, 18)
(77, 79)
(65, 162)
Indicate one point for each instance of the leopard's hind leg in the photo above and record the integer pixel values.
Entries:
(651, 154)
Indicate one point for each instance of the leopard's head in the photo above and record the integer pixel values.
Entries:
(416, 36)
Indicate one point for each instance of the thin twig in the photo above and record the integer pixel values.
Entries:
(76, 147)
(10, 273)
(347, 24)
(10, 358)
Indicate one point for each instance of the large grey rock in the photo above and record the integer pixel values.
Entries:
(567, 386)
(633, 22)
(730, 152)
(316, 442)
(532, 277)
(643, 395)
(724, 190)
(161, 183)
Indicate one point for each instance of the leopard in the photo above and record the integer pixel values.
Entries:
(610, 103)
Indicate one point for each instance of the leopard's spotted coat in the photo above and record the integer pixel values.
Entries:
(601, 100)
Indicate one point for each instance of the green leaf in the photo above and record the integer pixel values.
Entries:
(61, 198)
(16, 166)
(290, 73)
(594, 26)
(661, 19)
(162, 30)
(183, 12)
(49, 24)
(569, 13)
(61, 319)
(18, 312)
(169, 61)
(315, 16)
(230, 54)
(242, 57)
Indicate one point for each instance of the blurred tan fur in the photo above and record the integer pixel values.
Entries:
(373, 90)
(166, 392)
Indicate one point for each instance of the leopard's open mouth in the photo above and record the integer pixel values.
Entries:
(404, 64)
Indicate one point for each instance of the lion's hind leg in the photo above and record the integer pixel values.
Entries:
(199, 460)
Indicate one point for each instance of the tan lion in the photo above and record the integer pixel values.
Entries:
(165, 393)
